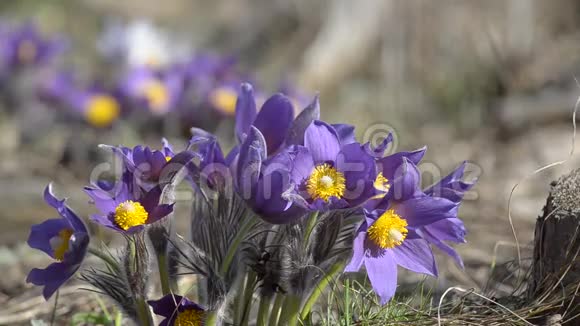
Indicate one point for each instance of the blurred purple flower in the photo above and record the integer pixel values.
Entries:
(146, 165)
(65, 239)
(98, 108)
(178, 310)
(157, 91)
(26, 46)
(126, 207)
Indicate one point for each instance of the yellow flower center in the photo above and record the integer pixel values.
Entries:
(102, 110)
(157, 95)
(60, 243)
(388, 231)
(189, 317)
(381, 184)
(224, 99)
(26, 51)
(167, 158)
(129, 214)
(325, 182)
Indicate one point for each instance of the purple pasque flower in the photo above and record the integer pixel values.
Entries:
(223, 97)
(26, 46)
(158, 91)
(56, 86)
(65, 239)
(178, 310)
(99, 108)
(274, 121)
(389, 236)
(264, 182)
(329, 171)
(146, 165)
(452, 188)
(126, 207)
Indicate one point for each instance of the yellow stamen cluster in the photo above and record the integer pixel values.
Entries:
(388, 231)
(325, 182)
(225, 100)
(190, 317)
(381, 184)
(167, 158)
(60, 243)
(129, 214)
(157, 95)
(26, 51)
(102, 110)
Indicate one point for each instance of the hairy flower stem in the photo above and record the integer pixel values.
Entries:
(143, 313)
(290, 311)
(334, 270)
(233, 249)
(263, 309)
(276, 310)
(164, 273)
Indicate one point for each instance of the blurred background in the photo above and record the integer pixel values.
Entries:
(492, 82)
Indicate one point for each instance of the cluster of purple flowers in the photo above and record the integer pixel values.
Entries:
(286, 169)
(190, 88)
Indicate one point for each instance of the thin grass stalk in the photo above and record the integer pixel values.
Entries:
(235, 245)
(334, 270)
(290, 311)
(238, 301)
(276, 310)
(163, 266)
(247, 298)
(263, 310)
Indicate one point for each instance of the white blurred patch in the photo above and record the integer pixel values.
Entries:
(142, 43)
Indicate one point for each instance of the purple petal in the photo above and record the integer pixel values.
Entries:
(450, 229)
(252, 154)
(415, 255)
(443, 247)
(105, 221)
(382, 272)
(151, 199)
(274, 121)
(379, 150)
(345, 133)
(160, 212)
(167, 305)
(53, 277)
(425, 210)
(40, 234)
(167, 148)
(101, 199)
(358, 168)
(302, 164)
(245, 111)
(389, 165)
(302, 121)
(406, 181)
(358, 252)
(322, 142)
(75, 222)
